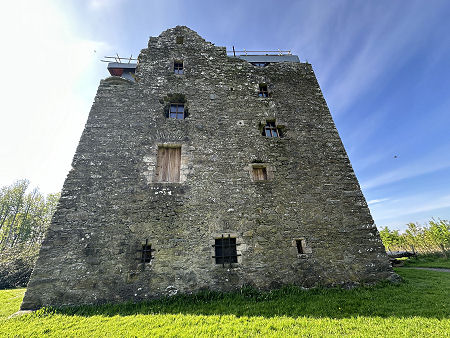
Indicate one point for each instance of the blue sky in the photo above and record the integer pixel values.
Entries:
(383, 67)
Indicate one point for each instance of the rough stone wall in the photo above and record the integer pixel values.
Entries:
(111, 203)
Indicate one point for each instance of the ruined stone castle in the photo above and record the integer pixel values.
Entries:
(203, 170)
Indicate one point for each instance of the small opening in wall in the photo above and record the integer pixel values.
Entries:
(259, 173)
(146, 252)
(271, 130)
(178, 67)
(263, 91)
(225, 251)
(300, 243)
(180, 40)
(176, 111)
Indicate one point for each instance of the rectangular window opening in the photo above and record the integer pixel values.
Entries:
(180, 40)
(146, 253)
(263, 92)
(271, 130)
(260, 64)
(300, 243)
(178, 67)
(225, 251)
(168, 164)
(259, 173)
(176, 111)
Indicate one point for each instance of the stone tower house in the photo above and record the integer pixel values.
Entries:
(206, 171)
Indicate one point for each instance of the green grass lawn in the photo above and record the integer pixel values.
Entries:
(428, 261)
(418, 307)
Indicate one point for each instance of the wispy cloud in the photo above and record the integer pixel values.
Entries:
(411, 206)
(434, 161)
(351, 54)
(377, 201)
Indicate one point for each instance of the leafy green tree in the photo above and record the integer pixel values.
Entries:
(439, 234)
(24, 216)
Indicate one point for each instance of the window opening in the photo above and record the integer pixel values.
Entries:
(178, 67)
(271, 130)
(260, 64)
(176, 111)
(263, 92)
(180, 40)
(146, 252)
(168, 164)
(259, 173)
(225, 251)
(300, 243)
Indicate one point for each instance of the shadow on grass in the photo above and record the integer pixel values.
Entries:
(423, 293)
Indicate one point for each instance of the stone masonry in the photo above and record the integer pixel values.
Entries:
(305, 223)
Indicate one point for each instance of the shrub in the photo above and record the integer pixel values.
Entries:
(16, 265)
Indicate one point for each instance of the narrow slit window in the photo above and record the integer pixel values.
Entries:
(168, 164)
(178, 67)
(271, 130)
(300, 243)
(263, 92)
(146, 253)
(259, 173)
(225, 251)
(176, 111)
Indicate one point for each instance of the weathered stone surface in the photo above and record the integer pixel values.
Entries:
(111, 202)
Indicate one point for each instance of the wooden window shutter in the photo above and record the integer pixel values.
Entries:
(168, 164)
(259, 174)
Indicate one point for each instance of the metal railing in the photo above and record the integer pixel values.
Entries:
(276, 52)
(118, 59)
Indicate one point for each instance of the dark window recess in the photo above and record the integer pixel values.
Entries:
(271, 130)
(225, 250)
(146, 252)
(260, 64)
(176, 111)
(263, 92)
(168, 164)
(299, 243)
(178, 67)
(259, 173)
(180, 40)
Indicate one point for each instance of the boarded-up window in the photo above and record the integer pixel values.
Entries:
(168, 164)
(259, 174)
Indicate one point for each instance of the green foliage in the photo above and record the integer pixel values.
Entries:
(24, 218)
(428, 261)
(16, 265)
(418, 307)
(430, 238)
